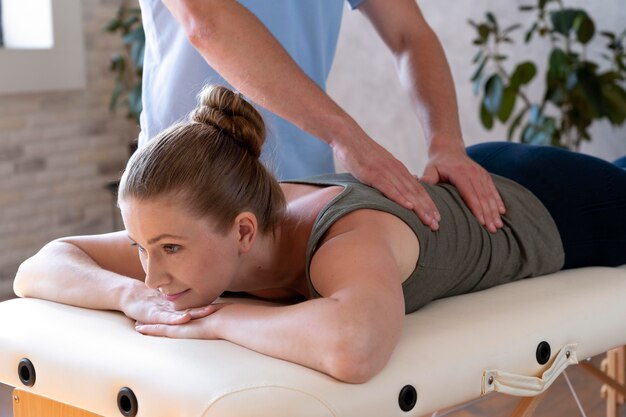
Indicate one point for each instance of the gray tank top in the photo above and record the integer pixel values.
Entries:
(462, 256)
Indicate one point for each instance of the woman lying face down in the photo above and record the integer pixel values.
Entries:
(203, 216)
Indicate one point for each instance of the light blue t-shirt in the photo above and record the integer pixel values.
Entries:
(174, 73)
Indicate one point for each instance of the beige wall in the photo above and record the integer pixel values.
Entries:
(365, 83)
(57, 152)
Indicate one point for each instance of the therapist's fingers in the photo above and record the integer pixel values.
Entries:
(492, 204)
(483, 200)
(404, 189)
(474, 185)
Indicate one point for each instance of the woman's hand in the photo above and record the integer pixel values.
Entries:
(199, 327)
(146, 305)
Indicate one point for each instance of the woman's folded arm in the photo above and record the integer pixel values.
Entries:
(349, 334)
(61, 271)
(100, 272)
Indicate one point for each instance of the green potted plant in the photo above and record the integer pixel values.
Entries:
(128, 65)
(128, 68)
(577, 92)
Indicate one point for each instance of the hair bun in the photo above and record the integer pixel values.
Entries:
(229, 112)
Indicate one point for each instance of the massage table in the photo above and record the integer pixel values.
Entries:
(514, 339)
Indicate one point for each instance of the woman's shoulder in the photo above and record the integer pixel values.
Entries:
(368, 237)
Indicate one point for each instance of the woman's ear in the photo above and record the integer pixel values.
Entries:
(246, 227)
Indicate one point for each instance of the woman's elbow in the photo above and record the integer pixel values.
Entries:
(33, 268)
(22, 278)
(357, 361)
(352, 371)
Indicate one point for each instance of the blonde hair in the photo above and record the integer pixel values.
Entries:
(212, 162)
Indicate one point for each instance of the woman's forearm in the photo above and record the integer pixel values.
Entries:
(319, 334)
(63, 273)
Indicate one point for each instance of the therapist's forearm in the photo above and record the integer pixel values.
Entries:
(425, 75)
(241, 49)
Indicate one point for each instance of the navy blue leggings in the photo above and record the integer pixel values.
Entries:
(585, 195)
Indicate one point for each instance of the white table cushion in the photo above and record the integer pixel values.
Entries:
(83, 357)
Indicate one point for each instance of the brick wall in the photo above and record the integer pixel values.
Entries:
(58, 150)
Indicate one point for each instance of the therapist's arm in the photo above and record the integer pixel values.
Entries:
(425, 75)
(239, 47)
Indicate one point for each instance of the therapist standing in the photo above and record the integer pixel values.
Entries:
(279, 54)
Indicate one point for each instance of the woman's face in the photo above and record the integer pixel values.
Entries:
(183, 256)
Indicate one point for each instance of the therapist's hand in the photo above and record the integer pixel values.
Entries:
(473, 182)
(373, 165)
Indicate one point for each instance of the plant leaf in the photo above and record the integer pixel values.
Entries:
(492, 19)
(494, 90)
(558, 63)
(535, 114)
(131, 20)
(112, 25)
(530, 32)
(136, 54)
(523, 74)
(479, 70)
(548, 127)
(527, 133)
(591, 87)
(539, 133)
(477, 83)
(615, 102)
(117, 63)
(607, 34)
(508, 103)
(485, 117)
(478, 55)
(484, 31)
(117, 92)
(585, 28)
(511, 29)
(134, 101)
(563, 20)
(135, 35)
